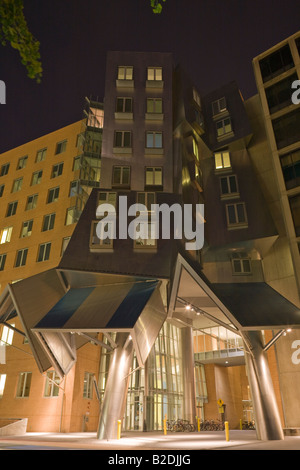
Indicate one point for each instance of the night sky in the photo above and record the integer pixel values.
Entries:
(214, 40)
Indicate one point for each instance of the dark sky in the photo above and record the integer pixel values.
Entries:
(214, 40)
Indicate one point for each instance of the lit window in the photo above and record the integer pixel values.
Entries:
(125, 73)
(145, 233)
(17, 185)
(26, 228)
(72, 216)
(219, 106)
(107, 198)
(52, 384)
(95, 118)
(22, 162)
(154, 139)
(153, 176)
(5, 235)
(24, 383)
(7, 334)
(236, 215)
(61, 147)
(21, 257)
(44, 252)
(32, 202)
(195, 149)
(2, 384)
(154, 73)
(88, 385)
(37, 177)
(222, 160)
(102, 234)
(41, 155)
(154, 105)
(224, 126)
(241, 263)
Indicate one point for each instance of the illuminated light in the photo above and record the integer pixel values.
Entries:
(188, 307)
(289, 330)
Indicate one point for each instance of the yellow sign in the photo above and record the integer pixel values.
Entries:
(220, 402)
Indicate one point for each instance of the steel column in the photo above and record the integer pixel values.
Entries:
(113, 406)
(188, 375)
(267, 419)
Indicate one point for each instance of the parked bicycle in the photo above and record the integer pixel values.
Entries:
(180, 425)
(211, 425)
(248, 425)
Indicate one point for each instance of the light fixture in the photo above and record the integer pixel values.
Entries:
(188, 307)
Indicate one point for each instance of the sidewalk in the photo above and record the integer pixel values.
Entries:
(139, 441)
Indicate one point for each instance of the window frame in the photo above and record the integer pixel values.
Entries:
(23, 389)
(61, 146)
(21, 257)
(44, 251)
(11, 208)
(237, 224)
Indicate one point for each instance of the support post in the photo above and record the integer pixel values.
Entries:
(114, 400)
(188, 375)
(267, 419)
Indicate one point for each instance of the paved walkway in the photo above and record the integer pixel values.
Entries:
(139, 441)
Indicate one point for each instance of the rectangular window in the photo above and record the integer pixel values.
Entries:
(1, 189)
(26, 228)
(36, 177)
(125, 72)
(61, 147)
(4, 169)
(236, 215)
(21, 257)
(121, 175)
(48, 223)
(222, 160)
(276, 63)
(279, 94)
(72, 216)
(154, 140)
(145, 235)
(7, 334)
(44, 252)
(24, 383)
(153, 176)
(154, 105)
(88, 385)
(154, 73)
(219, 106)
(147, 199)
(107, 198)
(76, 163)
(228, 185)
(295, 209)
(11, 208)
(22, 162)
(57, 170)
(53, 195)
(5, 235)
(75, 188)
(123, 139)
(124, 105)
(241, 263)
(2, 384)
(17, 185)
(224, 127)
(2, 261)
(287, 129)
(52, 384)
(41, 155)
(290, 164)
(102, 234)
(32, 202)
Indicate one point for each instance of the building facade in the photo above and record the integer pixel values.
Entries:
(191, 324)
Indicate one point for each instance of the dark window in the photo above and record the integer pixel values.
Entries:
(287, 129)
(290, 164)
(276, 63)
(279, 95)
(2, 261)
(48, 223)
(12, 208)
(123, 139)
(121, 175)
(44, 252)
(298, 45)
(124, 105)
(61, 147)
(295, 208)
(4, 169)
(31, 202)
(1, 190)
(21, 257)
(57, 170)
(53, 195)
